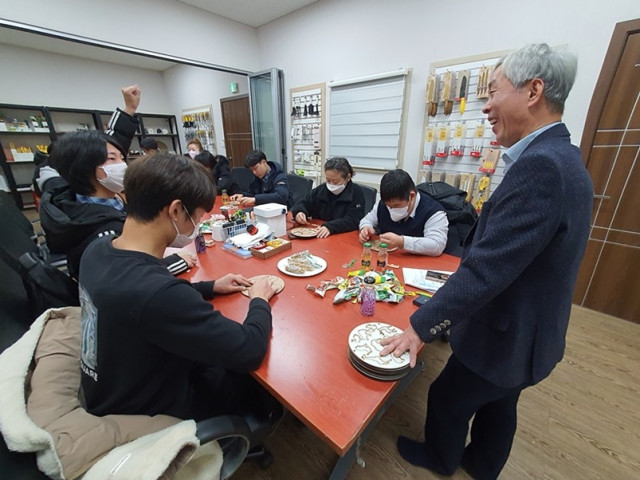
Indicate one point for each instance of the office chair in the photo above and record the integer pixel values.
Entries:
(242, 177)
(45, 283)
(299, 186)
(370, 195)
(42, 413)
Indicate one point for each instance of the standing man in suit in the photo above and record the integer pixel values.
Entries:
(508, 304)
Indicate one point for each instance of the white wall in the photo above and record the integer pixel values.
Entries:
(31, 77)
(164, 26)
(341, 39)
(190, 87)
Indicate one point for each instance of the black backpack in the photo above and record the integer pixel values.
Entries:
(460, 213)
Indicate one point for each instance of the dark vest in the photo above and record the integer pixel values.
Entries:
(412, 227)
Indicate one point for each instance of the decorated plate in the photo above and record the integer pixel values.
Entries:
(300, 265)
(379, 376)
(276, 281)
(375, 243)
(364, 343)
(305, 232)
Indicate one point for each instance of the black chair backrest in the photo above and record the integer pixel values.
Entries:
(370, 195)
(243, 177)
(16, 235)
(46, 285)
(299, 186)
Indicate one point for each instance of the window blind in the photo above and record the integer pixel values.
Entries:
(366, 120)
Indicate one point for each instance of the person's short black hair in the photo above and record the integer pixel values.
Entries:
(341, 165)
(149, 143)
(253, 158)
(153, 182)
(77, 155)
(206, 159)
(396, 185)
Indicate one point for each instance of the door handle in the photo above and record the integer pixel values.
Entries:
(601, 197)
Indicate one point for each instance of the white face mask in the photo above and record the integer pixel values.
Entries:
(336, 189)
(193, 153)
(181, 239)
(398, 214)
(115, 176)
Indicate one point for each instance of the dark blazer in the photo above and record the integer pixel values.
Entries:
(342, 212)
(510, 300)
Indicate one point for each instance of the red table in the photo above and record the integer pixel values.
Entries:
(307, 367)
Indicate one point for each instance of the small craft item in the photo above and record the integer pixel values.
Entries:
(432, 94)
(463, 87)
(375, 246)
(364, 352)
(447, 92)
(309, 231)
(302, 264)
(276, 282)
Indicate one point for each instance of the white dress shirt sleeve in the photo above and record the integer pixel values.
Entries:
(434, 239)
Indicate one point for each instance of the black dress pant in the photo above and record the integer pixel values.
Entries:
(454, 398)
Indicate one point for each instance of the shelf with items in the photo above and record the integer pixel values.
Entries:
(23, 130)
(197, 122)
(66, 120)
(163, 128)
(307, 131)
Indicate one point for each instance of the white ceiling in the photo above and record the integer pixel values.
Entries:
(254, 13)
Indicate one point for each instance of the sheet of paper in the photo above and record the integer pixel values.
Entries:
(417, 277)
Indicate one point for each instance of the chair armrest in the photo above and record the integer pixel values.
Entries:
(223, 426)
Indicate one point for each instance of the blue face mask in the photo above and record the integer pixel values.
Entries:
(181, 239)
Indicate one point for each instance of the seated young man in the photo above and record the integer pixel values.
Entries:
(269, 186)
(86, 201)
(404, 218)
(152, 343)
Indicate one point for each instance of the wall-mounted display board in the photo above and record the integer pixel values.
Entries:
(307, 107)
(198, 122)
(459, 147)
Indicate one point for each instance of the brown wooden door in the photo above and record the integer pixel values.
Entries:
(236, 121)
(609, 280)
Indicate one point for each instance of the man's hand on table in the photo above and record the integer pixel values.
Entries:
(231, 283)
(405, 341)
(392, 240)
(366, 233)
(247, 202)
(262, 288)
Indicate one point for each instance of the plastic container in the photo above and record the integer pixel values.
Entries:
(368, 297)
(365, 259)
(383, 255)
(225, 198)
(274, 215)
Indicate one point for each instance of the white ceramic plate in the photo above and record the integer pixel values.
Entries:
(282, 266)
(364, 343)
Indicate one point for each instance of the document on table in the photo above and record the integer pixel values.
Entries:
(429, 280)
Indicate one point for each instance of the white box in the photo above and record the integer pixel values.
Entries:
(274, 215)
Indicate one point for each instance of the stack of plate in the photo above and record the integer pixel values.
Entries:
(364, 352)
